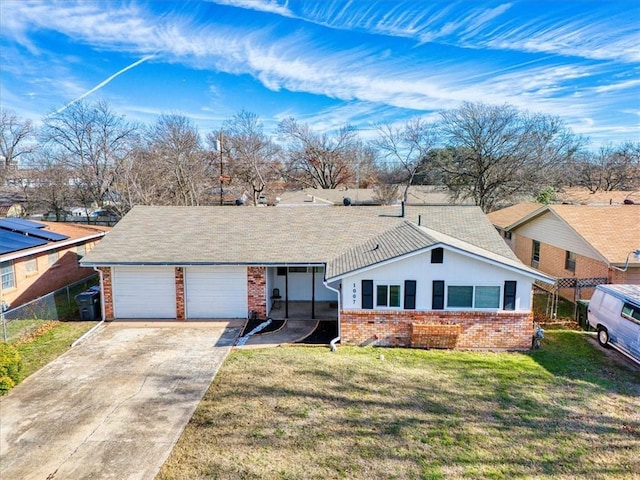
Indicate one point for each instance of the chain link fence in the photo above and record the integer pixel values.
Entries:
(59, 305)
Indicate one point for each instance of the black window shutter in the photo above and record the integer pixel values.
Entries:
(409, 294)
(438, 295)
(509, 300)
(367, 294)
(437, 255)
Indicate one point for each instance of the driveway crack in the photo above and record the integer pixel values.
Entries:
(104, 420)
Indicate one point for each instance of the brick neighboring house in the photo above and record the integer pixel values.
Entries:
(32, 266)
(435, 276)
(574, 241)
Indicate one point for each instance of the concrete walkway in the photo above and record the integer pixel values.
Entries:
(113, 406)
(292, 331)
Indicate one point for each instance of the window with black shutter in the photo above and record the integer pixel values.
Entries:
(367, 294)
(437, 255)
(410, 294)
(509, 300)
(437, 302)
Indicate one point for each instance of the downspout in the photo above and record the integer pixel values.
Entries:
(102, 314)
(333, 342)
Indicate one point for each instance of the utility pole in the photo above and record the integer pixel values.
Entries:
(221, 171)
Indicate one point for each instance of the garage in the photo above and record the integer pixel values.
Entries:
(216, 292)
(144, 292)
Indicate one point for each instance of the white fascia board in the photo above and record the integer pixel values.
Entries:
(522, 271)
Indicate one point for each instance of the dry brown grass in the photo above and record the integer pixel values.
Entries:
(565, 411)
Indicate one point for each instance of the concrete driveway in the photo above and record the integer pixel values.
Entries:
(114, 405)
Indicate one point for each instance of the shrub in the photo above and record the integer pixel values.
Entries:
(10, 367)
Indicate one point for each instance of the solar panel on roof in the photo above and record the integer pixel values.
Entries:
(12, 242)
(46, 234)
(15, 223)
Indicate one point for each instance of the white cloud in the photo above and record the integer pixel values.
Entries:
(369, 80)
(269, 6)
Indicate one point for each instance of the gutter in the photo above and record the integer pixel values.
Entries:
(332, 343)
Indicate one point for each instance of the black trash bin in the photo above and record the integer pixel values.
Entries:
(582, 306)
(89, 305)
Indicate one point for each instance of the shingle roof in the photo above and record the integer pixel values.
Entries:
(406, 238)
(416, 195)
(506, 217)
(400, 240)
(254, 235)
(613, 230)
(585, 197)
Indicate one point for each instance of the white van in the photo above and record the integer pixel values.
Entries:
(614, 311)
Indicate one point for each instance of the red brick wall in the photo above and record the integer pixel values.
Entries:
(257, 290)
(47, 278)
(480, 330)
(179, 276)
(107, 292)
(552, 260)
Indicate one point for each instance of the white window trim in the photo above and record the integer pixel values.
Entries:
(13, 275)
(387, 284)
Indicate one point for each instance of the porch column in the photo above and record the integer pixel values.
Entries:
(286, 293)
(313, 292)
(257, 290)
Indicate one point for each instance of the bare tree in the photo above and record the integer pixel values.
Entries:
(406, 148)
(92, 142)
(140, 181)
(252, 157)
(15, 136)
(609, 168)
(174, 149)
(499, 153)
(51, 187)
(320, 160)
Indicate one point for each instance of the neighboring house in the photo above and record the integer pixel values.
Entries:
(582, 196)
(416, 195)
(37, 258)
(12, 202)
(392, 279)
(575, 242)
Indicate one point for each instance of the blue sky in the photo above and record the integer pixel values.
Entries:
(327, 62)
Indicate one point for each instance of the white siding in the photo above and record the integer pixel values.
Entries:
(457, 269)
(144, 292)
(216, 292)
(549, 229)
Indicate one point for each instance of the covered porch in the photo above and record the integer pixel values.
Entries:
(304, 310)
(299, 292)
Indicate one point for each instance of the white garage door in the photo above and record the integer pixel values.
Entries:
(216, 292)
(144, 292)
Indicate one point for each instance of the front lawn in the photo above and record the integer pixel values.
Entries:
(46, 342)
(565, 411)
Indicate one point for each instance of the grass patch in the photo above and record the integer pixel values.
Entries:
(38, 350)
(565, 307)
(565, 411)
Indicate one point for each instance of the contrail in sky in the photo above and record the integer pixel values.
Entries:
(104, 82)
